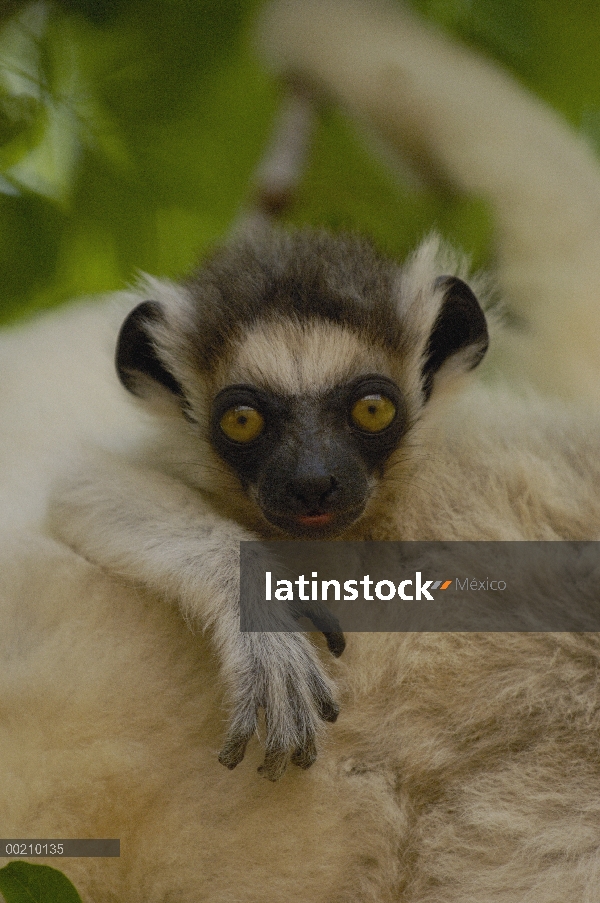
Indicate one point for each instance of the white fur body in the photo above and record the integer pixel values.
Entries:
(462, 767)
(113, 711)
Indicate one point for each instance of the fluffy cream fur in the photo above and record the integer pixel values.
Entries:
(462, 768)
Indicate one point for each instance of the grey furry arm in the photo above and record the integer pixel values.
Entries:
(155, 531)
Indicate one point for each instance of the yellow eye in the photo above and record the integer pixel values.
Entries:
(242, 424)
(373, 413)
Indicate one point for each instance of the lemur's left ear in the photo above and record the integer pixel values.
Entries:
(137, 361)
(459, 338)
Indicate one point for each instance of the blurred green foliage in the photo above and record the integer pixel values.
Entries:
(29, 882)
(129, 130)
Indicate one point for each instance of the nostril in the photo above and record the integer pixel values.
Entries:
(312, 492)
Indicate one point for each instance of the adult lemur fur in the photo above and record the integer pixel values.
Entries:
(462, 767)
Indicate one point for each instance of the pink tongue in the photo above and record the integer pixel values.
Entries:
(314, 520)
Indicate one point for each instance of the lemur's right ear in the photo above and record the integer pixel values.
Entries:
(139, 367)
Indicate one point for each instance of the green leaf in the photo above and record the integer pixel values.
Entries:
(23, 882)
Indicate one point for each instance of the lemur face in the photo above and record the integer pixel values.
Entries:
(303, 362)
(306, 431)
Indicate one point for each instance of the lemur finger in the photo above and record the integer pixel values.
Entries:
(304, 756)
(336, 643)
(320, 615)
(234, 749)
(275, 763)
(328, 710)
